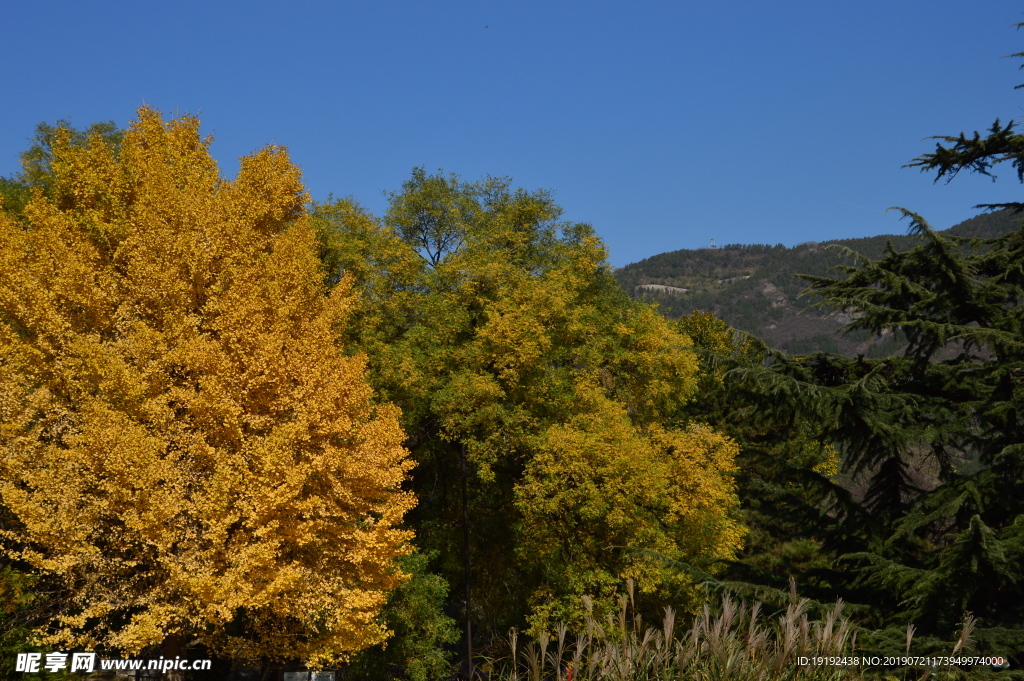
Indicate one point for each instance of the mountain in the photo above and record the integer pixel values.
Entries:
(753, 287)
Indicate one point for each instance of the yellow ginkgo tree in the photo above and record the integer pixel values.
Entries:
(185, 452)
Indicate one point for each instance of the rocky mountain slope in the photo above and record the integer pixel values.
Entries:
(753, 287)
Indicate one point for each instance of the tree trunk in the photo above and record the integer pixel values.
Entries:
(173, 648)
(465, 563)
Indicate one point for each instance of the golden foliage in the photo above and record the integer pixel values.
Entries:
(504, 336)
(601, 494)
(184, 446)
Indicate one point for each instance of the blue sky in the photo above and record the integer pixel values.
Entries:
(663, 124)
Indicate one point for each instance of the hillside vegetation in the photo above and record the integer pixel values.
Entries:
(753, 287)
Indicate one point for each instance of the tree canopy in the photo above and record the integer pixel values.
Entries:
(504, 338)
(187, 454)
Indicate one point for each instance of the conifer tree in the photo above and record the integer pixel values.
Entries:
(927, 550)
(952, 398)
(934, 434)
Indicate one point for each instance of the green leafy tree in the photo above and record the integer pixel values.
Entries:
(536, 397)
(420, 631)
(14, 196)
(37, 160)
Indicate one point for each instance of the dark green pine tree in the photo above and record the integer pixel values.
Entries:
(952, 400)
(913, 548)
(799, 519)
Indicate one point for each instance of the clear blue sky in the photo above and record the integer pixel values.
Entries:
(663, 124)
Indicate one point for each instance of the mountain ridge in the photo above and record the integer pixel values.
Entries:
(752, 287)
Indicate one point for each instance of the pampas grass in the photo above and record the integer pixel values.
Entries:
(738, 644)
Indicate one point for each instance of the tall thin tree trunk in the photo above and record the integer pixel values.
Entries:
(172, 649)
(465, 561)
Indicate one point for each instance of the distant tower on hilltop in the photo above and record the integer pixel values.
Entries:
(712, 242)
